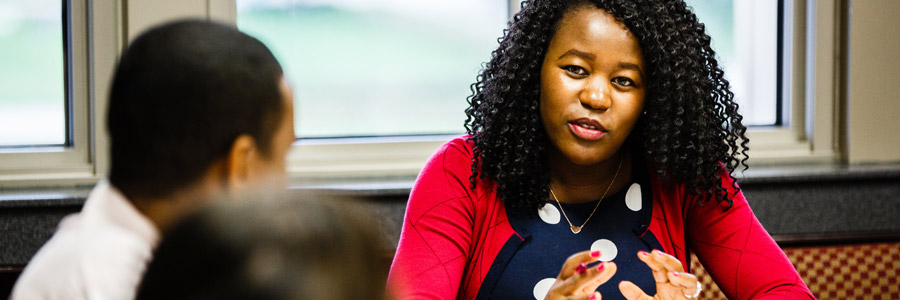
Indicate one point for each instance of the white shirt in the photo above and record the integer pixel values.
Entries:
(99, 253)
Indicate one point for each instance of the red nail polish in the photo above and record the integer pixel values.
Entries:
(593, 297)
(581, 268)
(595, 254)
(642, 252)
(675, 274)
(600, 268)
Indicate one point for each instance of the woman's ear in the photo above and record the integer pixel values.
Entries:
(239, 162)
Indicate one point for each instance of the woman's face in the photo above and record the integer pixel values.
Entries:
(592, 86)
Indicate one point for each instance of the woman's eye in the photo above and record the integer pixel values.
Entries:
(576, 70)
(623, 81)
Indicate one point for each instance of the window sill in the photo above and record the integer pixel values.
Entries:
(813, 203)
(401, 185)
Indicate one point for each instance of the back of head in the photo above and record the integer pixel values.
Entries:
(301, 247)
(182, 93)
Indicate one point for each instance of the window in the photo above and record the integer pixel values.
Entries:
(745, 37)
(765, 46)
(91, 34)
(377, 68)
(32, 79)
(780, 57)
(54, 90)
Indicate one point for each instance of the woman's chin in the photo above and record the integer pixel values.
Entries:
(587, 159)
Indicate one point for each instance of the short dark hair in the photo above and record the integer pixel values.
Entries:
(304, 246)
(182, 93)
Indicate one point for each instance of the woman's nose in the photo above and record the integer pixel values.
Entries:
(595, 95)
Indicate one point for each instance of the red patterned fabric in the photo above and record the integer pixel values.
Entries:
(867, 271)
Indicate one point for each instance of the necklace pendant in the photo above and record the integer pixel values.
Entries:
(575, 229)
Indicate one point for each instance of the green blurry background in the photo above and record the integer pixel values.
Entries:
(373, 72)
(32, 98)
(357, 68)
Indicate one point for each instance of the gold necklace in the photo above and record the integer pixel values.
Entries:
(577, 229)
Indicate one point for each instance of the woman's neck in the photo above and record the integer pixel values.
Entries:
(579, 184)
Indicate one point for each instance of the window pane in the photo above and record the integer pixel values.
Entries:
(377, 67)
(745, 35)
(32, 82)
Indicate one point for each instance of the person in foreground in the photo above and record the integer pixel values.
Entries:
(601, 139)
(196, 110)
(300, 247)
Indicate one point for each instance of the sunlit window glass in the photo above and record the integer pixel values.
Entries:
(378, 67)
(32, 82)
(745, 37)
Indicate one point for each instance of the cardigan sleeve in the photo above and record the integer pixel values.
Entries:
(742, 258)
(437, 228)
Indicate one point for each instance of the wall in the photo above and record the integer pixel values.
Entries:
(143, 14)
(873, 100)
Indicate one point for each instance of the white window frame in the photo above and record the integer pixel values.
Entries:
(811, 85)
(92, 51)
(100, 29)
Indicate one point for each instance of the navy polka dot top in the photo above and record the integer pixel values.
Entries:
(533, 268)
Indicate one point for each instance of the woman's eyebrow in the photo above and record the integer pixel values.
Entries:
(579, 53)
(632, 66)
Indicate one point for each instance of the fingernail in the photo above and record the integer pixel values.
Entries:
(675, 274)
(581, 268)
(595, 254)
(600, 268)
(593, 297)
(642, 252)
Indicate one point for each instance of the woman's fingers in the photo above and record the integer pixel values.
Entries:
(594, 296)
(584, 283)
(686, 282)
(575, 275)
(660, 263)
(572, 263)
(659, 271)
(668, 261)
(632, 291)
(601, 274)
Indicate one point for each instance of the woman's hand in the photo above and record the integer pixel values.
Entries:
(578, 281)
(671, 280)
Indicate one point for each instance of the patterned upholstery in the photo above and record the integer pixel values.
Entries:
(865, 271)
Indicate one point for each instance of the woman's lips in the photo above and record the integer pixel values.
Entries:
(587, 129)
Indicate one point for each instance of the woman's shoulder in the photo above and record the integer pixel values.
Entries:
(453, 162)
(453, 154)
(461, 144)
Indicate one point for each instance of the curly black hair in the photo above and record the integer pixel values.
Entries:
(691, 128)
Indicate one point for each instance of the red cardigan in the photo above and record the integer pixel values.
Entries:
(455, 240)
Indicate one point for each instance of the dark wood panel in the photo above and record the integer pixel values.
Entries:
(8, 276)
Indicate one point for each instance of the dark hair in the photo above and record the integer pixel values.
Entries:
(301, 247)
(690, 130)
(182, 93)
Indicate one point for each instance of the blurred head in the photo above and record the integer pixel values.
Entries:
(301, 247)
(190, 97)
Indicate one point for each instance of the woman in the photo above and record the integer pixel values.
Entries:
(599, 131)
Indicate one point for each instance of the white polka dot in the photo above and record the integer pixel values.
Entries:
(543, 287)
(608, 250)
(633, 197)
(549, 214)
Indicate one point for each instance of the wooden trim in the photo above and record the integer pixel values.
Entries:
(11, 269)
